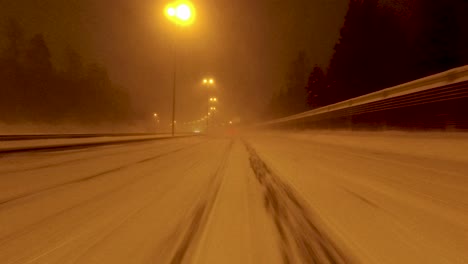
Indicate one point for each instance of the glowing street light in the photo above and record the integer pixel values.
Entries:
(156, 117)
(171, 11)
(208, 81)
(182, 13)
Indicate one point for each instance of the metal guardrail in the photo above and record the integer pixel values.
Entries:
(68, 136)
(85, 141)
(448, 85)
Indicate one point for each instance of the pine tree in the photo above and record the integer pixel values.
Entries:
(437, 46)
(295, 99)
(14, 38)
(11, 74)
(315, 88)
(74, 67)
(38, 86)
(371, 53)
(38, 58)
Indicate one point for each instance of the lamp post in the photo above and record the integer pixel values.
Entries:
(181, 13)
(209, 82)
(156, 118)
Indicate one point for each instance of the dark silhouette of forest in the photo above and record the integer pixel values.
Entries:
(33, 90)
(380, 46)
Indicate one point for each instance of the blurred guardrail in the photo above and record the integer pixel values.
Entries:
(437, 101)
(29, 143)
(65, 136)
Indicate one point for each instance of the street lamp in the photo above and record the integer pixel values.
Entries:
(182, 13)
(156, 118)
(208, 81)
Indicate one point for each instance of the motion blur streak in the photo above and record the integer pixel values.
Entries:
(270, 197)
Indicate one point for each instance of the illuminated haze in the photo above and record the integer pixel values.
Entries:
(246, 45)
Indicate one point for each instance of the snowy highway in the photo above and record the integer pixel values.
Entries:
(270, 197)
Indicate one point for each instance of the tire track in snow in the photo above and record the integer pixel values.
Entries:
(71, 161)
(88, 178)
(200, 216)
(301, 240)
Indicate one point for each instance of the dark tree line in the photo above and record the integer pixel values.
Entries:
(290, 99)
(33, 90)
(381, 46)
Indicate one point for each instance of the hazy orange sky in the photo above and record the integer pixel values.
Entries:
(246, 45)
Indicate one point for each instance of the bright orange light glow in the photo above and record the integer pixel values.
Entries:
(181, 12)
(210, 81)
(171, 11)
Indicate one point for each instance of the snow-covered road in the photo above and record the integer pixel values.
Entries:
(255, 198)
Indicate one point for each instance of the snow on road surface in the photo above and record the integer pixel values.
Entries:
(259, 198)
(379, 194)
